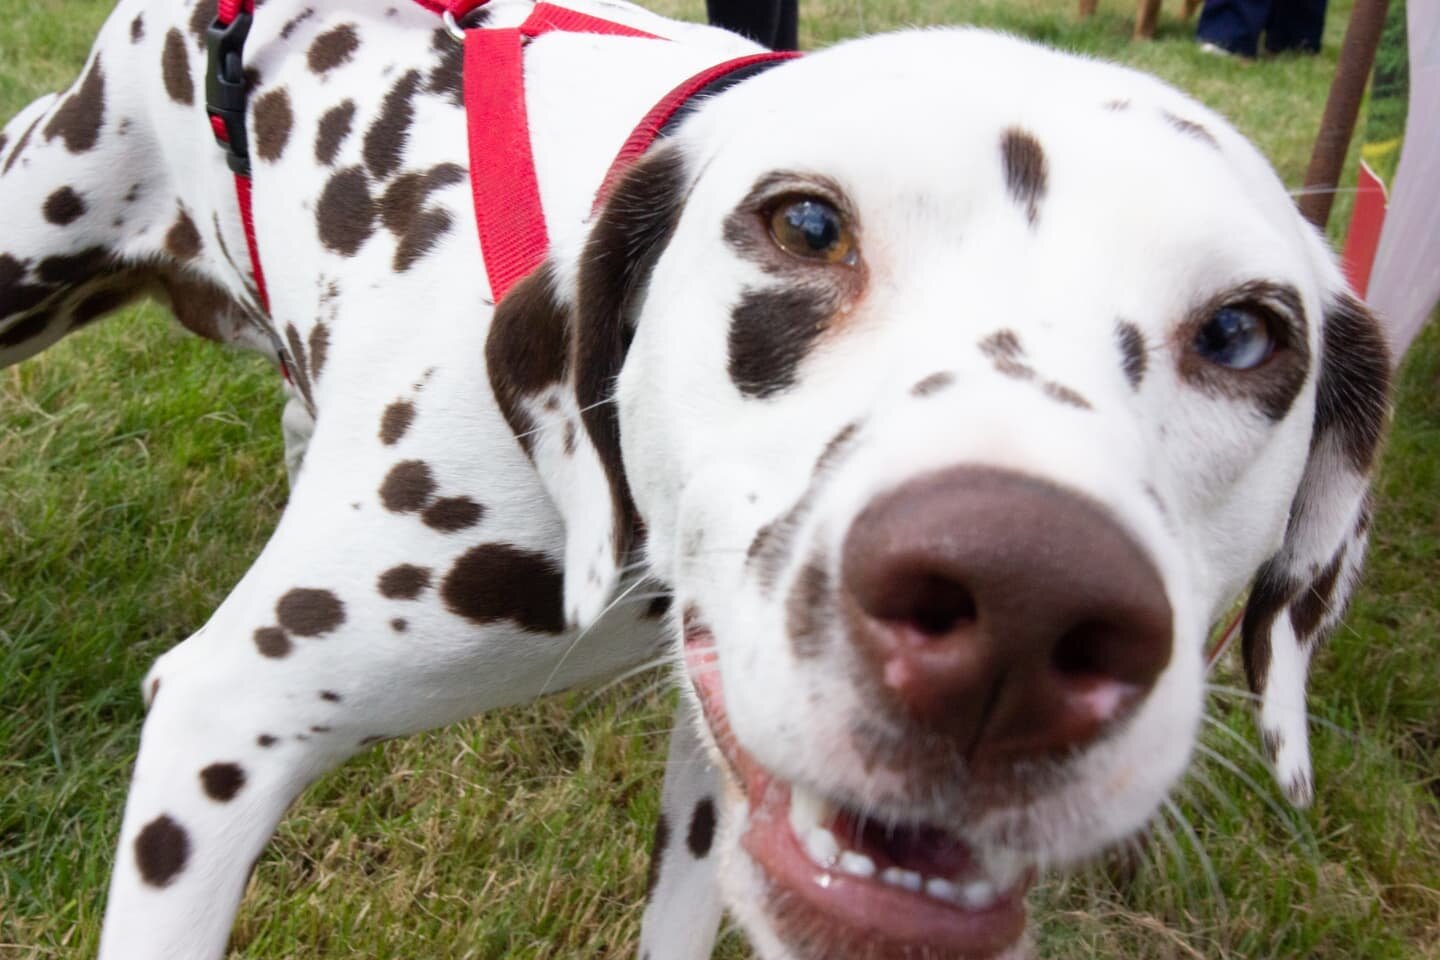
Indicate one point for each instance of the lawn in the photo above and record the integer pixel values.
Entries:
(140, 470)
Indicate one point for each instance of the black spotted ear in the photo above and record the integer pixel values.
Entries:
(554, 351)
(1301, 593)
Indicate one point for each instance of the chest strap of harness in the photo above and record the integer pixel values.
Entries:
(511, 221)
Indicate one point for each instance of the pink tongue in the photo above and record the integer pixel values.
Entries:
(925, 850)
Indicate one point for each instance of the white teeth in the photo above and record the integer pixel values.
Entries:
(942, 890)
(978, 894)
(821, 846)
(908, 879)
(857, 864)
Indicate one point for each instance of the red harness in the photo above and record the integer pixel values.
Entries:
(502, 168)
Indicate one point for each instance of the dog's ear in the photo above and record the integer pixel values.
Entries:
(553, 354)
(1300, 594)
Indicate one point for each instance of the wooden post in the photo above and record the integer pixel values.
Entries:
(1357, 57)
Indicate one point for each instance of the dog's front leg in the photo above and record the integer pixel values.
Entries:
(682, 911)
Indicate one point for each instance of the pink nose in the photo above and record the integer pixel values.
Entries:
(1008, 614)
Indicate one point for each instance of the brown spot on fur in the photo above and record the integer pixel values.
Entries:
(771, 332)
(137, 28)
(399, 625)
(405, 582)
(386, 139)
(330, 696)
(222, 781)
(332, 49)
(308, 612)
(80, 117)
(1065, 395)
(272, 642)
(345, 213)
(63, 207)
(404, 198)
(408, 487)
(20, 145)
(334, 127)
(319, 348)
(933, 384)
(182, 240)
(99, 303)
(1133, 351)
(294, 22)
(201, 16)
(497, 582)
(266, 740)
(1191, 129)
(161, 849)
(272, 121)
(424, 234)
(807, 610)
(528, 348)
(1025, 170)
(1351, 399)
(1002, 345)
(175, 69)
(450, 514)
(1308, 610)
(395, 421)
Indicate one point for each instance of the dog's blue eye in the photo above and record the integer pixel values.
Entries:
(1236, 338)
(813, 229)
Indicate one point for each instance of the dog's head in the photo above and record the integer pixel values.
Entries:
(956, 388)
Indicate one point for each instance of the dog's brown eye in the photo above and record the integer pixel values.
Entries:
(811, 228)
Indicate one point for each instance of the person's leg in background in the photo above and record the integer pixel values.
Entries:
(1234, 25)
(1295, 25)
(771, 22)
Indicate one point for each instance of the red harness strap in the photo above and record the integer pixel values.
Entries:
(511, 222)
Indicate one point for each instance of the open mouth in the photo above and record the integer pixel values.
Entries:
(844, 883)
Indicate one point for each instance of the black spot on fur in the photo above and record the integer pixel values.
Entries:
(385, 140)
(405, 582)
(408, 487)
(175, 68)
(449, 514)
(345, 214)
(1025, 170)
(272, 642)
(1191, 129)
(330, 696)
(395, 421)
(771, 332)
(657, 854)
(272, 121)
(1133, 352)
(498, 582)
(702, 828)
(658, 607)
(98, 304)
(332, 49)
(64, 207)
(334, 127)
(182, 240)
(68, 270)
(426, 232)
(1271, 591)
(1351, 398)
(82, 114)
(308, 612)
(266, 740)
(161, 849)
(222, 781)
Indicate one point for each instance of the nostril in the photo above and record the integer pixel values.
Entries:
(1080, 653)
(931, 604)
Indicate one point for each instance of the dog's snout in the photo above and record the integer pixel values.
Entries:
(1008, 614)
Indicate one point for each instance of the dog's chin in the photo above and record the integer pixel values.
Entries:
(810, 879)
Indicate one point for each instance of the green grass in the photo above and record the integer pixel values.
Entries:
(140, 472)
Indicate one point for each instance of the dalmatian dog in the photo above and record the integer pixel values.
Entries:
(947, 414)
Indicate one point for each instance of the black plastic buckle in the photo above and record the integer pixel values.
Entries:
(225, 93)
